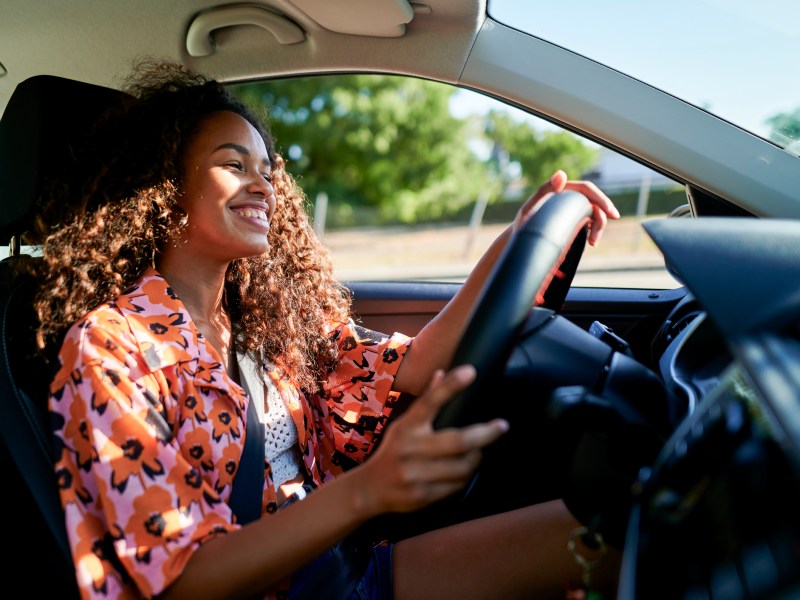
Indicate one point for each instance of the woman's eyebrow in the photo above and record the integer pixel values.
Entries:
(239, 148)
(232, 146)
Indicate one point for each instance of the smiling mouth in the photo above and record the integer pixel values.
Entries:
(252, 213)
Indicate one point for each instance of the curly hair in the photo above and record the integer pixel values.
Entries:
(106, 223)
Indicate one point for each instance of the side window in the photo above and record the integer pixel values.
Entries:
(5, 251)
(409, 179)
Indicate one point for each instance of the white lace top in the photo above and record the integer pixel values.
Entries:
(280, 433)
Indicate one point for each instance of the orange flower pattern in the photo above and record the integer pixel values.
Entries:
(149, 431)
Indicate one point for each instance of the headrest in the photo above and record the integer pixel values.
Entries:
(44, 118)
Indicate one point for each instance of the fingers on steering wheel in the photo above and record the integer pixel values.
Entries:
(595, 196)
(440, 390)
(555, 184)
(459, 442)
(599, 220)
(602, 207)
(443, 386)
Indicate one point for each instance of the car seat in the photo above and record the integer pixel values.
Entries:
(40, 133)
(39, 130)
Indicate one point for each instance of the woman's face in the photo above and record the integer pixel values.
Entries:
(226, 191)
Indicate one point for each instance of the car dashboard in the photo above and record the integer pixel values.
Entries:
(694, 355)
(715, 516)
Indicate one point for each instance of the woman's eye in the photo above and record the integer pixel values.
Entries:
(234, 164)
(267, 177)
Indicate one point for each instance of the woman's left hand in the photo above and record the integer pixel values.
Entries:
(435, 344)
(602, 207)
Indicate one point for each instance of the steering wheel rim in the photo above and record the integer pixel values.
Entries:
(517, 283)
(518, 280)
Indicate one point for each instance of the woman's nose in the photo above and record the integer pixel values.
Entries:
(269, 195)
(259, 185)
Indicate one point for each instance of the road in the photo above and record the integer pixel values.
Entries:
(625, 257)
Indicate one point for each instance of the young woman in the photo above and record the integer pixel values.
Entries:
(187, 284)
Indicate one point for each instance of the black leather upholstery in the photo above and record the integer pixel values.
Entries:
(44, 118)
(43, 121)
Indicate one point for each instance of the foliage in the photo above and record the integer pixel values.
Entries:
(785, 127)
(383, 142)
(538, 153)
(388, 147)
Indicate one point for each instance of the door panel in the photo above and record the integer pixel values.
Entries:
(635, 315)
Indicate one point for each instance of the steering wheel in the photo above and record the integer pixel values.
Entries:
(535, 268)
(549, 244)
(520, 280)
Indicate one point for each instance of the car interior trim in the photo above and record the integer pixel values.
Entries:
(379, 18)
(706, 151)
(200, 39)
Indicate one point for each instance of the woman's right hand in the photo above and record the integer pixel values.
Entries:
(602, 206)
(416, 465)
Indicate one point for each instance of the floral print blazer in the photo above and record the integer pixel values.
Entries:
(149, 430)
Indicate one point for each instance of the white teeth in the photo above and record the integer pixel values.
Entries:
(252, 212)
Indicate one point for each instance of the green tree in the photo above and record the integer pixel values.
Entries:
(388, 146)
(538, 153)
(384, 142)
(785, 127)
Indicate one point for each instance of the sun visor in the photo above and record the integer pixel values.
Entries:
(378, 18)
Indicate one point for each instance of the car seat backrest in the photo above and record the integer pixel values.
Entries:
(45, 117)
(39, 131)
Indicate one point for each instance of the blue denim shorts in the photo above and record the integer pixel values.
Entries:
(375, 584)
(376, 581)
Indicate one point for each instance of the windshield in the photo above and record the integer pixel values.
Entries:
(734, 58)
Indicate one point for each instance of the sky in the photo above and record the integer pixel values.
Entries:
(737, 58)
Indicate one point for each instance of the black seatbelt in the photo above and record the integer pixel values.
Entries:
(337, 576)
(248, 484)
(27, 437)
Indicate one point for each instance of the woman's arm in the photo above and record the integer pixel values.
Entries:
(129, 475)
(435, 344)
(413, 467)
